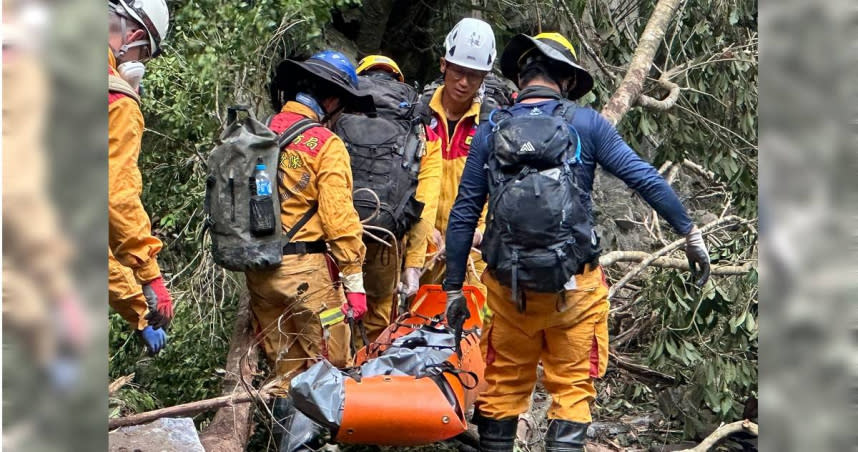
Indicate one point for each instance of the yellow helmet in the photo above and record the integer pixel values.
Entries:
(380, 61)
(558, 38)
(551, 45)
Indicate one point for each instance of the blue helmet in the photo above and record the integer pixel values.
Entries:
(340, 62)
(330, 67)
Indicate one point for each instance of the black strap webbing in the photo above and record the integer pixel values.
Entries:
(285, 138)
(294, 130)
(304, 219)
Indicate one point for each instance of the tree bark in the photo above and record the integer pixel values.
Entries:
(632, 85)
(232, 425)
(373, 25)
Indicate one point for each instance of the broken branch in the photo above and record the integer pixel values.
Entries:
(723, 432)
(185, 409)
(641, 371)
(669, 262)
(593, 54)
(632, 84)
(664, 104)
(117, 384)
(673, 246)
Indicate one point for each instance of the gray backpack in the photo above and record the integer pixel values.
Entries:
(245, 227)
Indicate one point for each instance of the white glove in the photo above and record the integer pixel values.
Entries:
(353, 283)
(698, 255)
(478, 239)
(411, 280)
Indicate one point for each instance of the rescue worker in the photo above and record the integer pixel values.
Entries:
(315, 185)
(41, 308)
(380, 268)
(566, 330)
(137, 290)
(455, 108)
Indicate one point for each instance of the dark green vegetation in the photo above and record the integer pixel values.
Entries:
(220, 53)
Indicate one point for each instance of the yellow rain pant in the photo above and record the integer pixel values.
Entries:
(568, 332)
(286, 303)
(379, 279)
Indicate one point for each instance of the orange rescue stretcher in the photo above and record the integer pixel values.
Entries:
(408, 387)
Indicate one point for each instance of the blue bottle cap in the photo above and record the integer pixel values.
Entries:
(260, 167)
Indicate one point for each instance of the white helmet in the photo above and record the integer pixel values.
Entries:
(471, 44)
(152, 15)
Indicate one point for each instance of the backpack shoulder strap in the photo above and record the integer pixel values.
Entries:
(566, 109)
(294, 130)
(285, 138)
(116, 84)
(301, 222)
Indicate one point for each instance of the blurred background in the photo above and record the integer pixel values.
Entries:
(55, 317)
(54, 225)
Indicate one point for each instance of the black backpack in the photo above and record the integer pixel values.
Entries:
(385, 153)
(538, 231)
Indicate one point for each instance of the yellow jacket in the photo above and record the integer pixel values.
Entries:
(454, 152)
(315, 168)
(428, 188)
(130, 232)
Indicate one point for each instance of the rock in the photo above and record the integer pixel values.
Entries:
(163, 435)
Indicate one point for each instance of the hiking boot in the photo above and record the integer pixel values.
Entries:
(496, 435)
(565, 436)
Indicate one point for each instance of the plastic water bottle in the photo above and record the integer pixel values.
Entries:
(262, 219)
(263, 183)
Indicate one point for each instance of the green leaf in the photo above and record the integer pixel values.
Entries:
(671, 349)
(734, 16)
(750, 323)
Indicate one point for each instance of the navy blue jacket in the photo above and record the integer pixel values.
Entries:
(600, 143)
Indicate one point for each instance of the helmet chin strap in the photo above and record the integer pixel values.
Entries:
(126, 46)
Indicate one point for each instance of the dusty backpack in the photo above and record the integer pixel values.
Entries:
(538, 232)
(385, 153)
(245, 226)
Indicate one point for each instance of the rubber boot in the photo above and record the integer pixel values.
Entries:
(294, 431)
(496, 435)
(565, 436)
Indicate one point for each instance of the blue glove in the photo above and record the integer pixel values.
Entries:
(154, 339)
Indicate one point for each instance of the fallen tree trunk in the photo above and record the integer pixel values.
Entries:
(186, 409)
(232, 425)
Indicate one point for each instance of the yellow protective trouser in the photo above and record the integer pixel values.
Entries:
(125, 295)
(435, 274)
(286, 303)
(568, 332)
(379, 278)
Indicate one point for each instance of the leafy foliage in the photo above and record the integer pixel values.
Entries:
(221, 53)
(217, 54)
